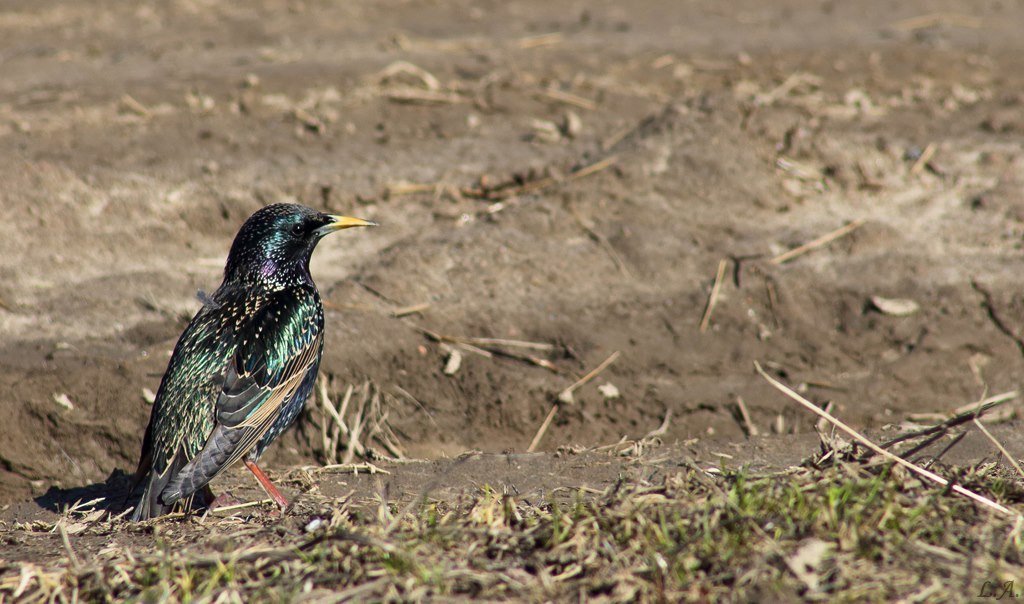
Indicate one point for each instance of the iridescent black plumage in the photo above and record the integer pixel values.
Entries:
(244, 366)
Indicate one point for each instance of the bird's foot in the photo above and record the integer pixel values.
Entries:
(224, 500)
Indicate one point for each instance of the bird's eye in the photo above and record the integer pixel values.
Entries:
(297, 230)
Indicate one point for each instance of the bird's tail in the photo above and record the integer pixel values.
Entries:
(151, 505)
(221, 450)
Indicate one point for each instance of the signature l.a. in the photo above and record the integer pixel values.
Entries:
(998, 591)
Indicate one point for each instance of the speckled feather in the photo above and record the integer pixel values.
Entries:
(243, 368)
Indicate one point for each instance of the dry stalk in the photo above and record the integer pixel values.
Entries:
(543, 428)
(72, 556)
(565, 396)
(999, 445)
(349, 435)
(569, 98)
(540, 40)
(241, 506)
(713, 297)
(490, 347)
(820, 241)
(603, 241)
(928, 474)
(661, 429)
(962, 415)
(751, 428)
(514, 187)
(922, 161)
(933, 19)
(409, 310)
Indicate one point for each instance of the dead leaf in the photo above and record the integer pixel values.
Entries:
(63, 400)
(609, 391)
(896, 307)
(807, 561)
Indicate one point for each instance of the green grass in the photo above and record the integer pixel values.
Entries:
(689, 536)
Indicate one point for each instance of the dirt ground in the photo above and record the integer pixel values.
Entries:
(570, 174)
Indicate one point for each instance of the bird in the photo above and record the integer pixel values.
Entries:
(241, 371)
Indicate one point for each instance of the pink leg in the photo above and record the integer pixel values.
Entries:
(266, 484)
(224, 500)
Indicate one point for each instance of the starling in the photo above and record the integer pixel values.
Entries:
(240, 373)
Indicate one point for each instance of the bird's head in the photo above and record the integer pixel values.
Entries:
(274, 245)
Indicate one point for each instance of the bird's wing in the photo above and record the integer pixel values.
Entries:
(183, 414)
(275, 351)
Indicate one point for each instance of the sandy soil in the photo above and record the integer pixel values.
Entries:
(580, 171)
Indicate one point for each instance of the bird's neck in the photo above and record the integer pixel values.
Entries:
(271, 275)
(268, 269)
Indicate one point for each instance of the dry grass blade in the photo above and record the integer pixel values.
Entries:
(922, 161)
(241, 506)
(512, 343)
(515, 187)
(358, 422)
(928, 474)
(417, 96)
(409, 310)
(129, 103)
(419, 405)
(747, 422)
(332, 435)
(569, 99)
(820, 241)
(713, 297)
(355, 468)
(453, 340)
(357, 592)
(933, 19)
(488, 347)
(999, 445)
(952, 443)
(543, 428)
(349, 435)
(634, 537)
(540, 40)
(565, 396)
(662, 428)
(429, 81)
(527, 358)
(594, 168)
(964, 415)
(66, 541)
(603, 241)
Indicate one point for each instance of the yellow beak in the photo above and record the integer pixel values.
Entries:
(345, 222)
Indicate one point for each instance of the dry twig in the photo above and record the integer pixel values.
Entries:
(565, 396)
(923, 160)
(587, 226)
(820, 241)
(569, 98)
(962, 415)
(999, 445)
(928, 474)
(747, 422)
(516, 187)
(713, 297)
(933, 19)
(488, 347)
(543, 428)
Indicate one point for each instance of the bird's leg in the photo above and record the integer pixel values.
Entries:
(266, 484)
(224, 500)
